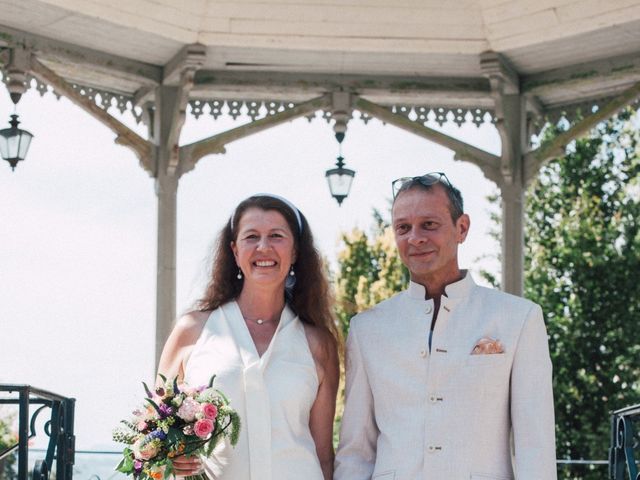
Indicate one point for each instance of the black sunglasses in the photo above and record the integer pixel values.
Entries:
(427, 179)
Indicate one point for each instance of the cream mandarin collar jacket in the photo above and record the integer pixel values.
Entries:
(444, 414)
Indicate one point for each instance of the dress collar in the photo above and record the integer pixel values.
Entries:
(458, 289)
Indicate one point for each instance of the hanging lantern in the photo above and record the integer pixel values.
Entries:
(339, 180)
(14, 143)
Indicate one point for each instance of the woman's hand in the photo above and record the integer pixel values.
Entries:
(186, 466)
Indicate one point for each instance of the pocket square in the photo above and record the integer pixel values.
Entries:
(487, 346)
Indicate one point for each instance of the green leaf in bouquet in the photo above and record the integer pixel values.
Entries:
(147, 390)
(126, 464)
(174, 436)
(235, 428)
(213, 377)
(176, 390)
(164, 379)
(168, 469)
(154, 405)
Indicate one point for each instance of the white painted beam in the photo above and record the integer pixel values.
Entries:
(80, 57)
(384, 89)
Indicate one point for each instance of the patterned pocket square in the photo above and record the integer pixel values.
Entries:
(487, 346)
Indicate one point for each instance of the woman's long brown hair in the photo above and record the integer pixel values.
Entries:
(310, 298)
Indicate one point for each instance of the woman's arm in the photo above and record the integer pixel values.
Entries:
(174, 356)
(180, 343)
(325, 354)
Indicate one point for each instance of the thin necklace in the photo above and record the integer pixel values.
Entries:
(259, 321)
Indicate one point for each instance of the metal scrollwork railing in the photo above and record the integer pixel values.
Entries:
(625, 444)
(59, 429)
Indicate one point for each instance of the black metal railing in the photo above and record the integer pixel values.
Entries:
(58, 427)
(625, 444)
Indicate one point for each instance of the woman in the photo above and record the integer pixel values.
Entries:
(266, 329)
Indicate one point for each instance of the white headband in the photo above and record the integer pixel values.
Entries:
(291, 206)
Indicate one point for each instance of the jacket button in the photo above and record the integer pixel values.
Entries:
(433, 448)
(423, 353)
(429, 309)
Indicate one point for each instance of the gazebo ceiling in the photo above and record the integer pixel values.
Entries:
(414, 52)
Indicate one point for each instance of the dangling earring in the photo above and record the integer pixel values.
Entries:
(239, 276)
(291, 280)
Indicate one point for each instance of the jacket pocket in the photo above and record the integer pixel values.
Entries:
(495, 359)
(391, 475)
(486, 476)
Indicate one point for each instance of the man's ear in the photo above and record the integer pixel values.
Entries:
(462, 226)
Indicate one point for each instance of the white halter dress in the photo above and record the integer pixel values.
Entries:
(273, 395)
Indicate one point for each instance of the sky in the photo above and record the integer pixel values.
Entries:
(78, 235)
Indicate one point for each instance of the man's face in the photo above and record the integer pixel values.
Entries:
(426, 236)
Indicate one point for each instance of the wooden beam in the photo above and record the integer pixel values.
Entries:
(555, 148)
(494, 64)
(190, 57)
(445, 92)
(48, 49)
(125, 136)
(580, 78)
(488, 163)
(190, 154)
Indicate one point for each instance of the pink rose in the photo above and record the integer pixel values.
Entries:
(142, 426)
(203, 428)
(144, 451)
(210, 411)
(188, 409)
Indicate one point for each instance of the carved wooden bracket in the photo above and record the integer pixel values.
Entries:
(124, 135)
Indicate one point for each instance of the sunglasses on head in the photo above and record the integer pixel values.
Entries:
(427, 180)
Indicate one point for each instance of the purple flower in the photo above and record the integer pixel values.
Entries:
(165, 410)
(137, 466)
(159, 434)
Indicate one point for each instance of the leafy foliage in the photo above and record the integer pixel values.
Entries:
(8, 438)
(583, 266)
(370, 270)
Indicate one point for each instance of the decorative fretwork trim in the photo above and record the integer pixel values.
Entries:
(575, 111)
(102, 98)
(255, 109)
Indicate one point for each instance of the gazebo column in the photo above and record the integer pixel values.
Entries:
(512, 239)
(165, 132)
(166, 187)
(511, 122)
(512, 126)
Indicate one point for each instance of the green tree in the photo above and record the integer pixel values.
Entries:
(583, 266)
(369, 270)
(8, 438)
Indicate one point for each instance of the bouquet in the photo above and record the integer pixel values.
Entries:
(174, 420)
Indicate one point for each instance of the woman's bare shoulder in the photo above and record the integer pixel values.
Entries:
(189, 327)
(183, 337)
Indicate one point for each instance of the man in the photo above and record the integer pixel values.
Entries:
(446, 380)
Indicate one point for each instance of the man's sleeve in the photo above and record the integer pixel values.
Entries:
(532, 414)
(356, 456)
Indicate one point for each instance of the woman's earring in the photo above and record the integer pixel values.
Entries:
(239, 276)
(290, 282)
